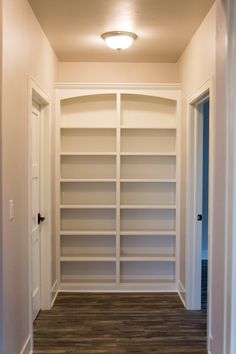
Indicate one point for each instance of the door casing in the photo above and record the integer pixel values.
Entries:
(193, 244)
(36, 228)
(37, 94)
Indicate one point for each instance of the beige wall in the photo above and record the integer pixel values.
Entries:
(118, 73)
(220, 166)
(196, 66)
(26, 51)
(1, 250)
(200, 61)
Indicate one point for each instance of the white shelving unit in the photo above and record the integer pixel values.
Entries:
(118, 183)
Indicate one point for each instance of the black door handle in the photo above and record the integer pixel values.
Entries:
(199, 217)
(40, 218)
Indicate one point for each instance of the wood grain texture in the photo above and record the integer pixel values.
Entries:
(119, 323)
(204, 284)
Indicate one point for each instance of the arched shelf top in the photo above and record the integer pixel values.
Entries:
(89, 96)
(147, 96)
(159, 106)
(66, 92)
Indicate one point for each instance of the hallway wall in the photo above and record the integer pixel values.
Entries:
(26, 51)
(220, 182)
(118, 72)
(1, 251)
(196, 66)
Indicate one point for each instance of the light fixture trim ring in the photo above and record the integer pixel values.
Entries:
(119, 33)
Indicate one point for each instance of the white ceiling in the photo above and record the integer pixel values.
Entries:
(164, 27)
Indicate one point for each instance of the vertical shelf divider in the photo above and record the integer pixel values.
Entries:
(118, 149)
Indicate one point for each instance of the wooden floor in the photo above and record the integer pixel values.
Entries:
(120, 323)
(204, 284)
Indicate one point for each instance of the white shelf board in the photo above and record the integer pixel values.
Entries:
(162, 154)
(148, 233)
(88, 153)
(148, 282)
(87, 127)
(123, 286)
(75, 180)
(149, 258)
(87, 206)
(147, 127)
(88, 233)
(144, 206)
(85, 258)
(148, 180)
(88, 281)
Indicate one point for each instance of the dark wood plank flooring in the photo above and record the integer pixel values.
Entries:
(204, 284)
(120, 324)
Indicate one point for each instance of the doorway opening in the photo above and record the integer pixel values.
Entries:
(199, 201)
(205, 200)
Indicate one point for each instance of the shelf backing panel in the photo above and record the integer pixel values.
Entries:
(88, 140)
(88, 193)
(148, 140)
(90, 110)
(88, 245)
(147, 220)
(88, 272)
(139, 193)
(147, 245)
(142, 110)
(87, 167)
(88, 219)
(148, 167)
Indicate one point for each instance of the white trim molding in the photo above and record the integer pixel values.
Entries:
(84, 85)
(38, 95)
(192, 301)
(230, 210)
(192, 271)
(27, 347)
(54, 292)
(182, 293)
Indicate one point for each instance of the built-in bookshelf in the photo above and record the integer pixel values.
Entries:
(117, 192)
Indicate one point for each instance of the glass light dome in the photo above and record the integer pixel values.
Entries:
(118, 39)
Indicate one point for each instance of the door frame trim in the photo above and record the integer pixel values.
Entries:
(38, 95)
(229, 107)
(192, 266)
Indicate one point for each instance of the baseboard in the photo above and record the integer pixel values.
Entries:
(27, 347)
(123, 288)
(54, 292)
(181, 292)
(210, 344)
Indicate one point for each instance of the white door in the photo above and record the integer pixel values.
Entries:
(35, 210)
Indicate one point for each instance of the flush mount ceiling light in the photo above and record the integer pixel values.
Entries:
(119, 39)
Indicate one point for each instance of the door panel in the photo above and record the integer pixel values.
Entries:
(35, 242)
